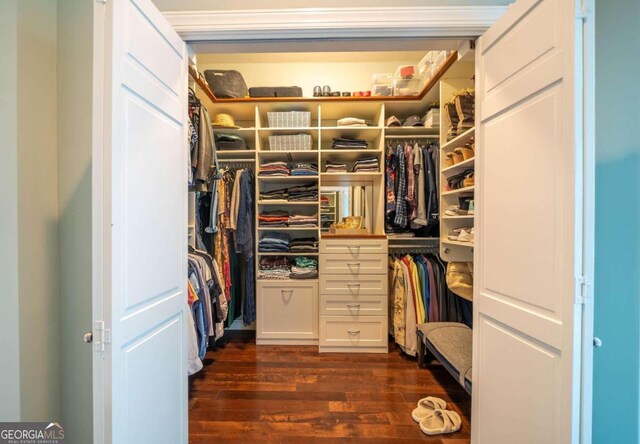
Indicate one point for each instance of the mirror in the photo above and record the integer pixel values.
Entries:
(340, 201)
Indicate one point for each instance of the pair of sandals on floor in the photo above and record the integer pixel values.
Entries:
(433, 417)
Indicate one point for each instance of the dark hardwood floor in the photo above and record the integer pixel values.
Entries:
(293, 394)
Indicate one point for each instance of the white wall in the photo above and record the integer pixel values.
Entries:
(75, 55)
(202, 5)
(341, 71)
(38, 212)
(9, 306)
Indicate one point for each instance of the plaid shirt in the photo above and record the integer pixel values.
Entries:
(411, 182)
(401, 203)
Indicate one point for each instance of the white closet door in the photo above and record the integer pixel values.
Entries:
(528, 246)
(145, 227)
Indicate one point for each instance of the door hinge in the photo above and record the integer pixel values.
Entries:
(581, 14)
(582, 290)
(101, 336)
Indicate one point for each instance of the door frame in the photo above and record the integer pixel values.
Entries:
(330, 23)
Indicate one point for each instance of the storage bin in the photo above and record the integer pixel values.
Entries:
(290, 142)
(289, 119)
(432, 118)
(385, 89)
(407, 87)
(382, 79)
(405, 72)
(425, 63)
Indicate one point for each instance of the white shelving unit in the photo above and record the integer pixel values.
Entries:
(451, 250)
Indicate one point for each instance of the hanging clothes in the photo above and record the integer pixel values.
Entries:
(417, 294)
(411, 189)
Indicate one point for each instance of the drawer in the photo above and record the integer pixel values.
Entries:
(347, 285)
(352, 305)
(353, 331)
(354, 248)
(287, 310)
(364, 264)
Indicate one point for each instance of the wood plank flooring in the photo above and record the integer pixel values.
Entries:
(293, 394)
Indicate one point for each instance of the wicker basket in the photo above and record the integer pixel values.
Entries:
(289, 119)
(291, 142)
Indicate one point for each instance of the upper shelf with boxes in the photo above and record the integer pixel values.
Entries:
(408, 83)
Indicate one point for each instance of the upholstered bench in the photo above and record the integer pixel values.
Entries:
(450, 343)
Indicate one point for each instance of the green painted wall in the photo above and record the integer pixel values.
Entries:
(617, 262)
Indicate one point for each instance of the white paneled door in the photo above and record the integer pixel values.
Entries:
(144, 242)
(528, 253)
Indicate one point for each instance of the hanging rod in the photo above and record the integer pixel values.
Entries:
(237, 160)
(415, 136)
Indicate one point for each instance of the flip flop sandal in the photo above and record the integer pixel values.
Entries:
(441, 421)
(426, 406)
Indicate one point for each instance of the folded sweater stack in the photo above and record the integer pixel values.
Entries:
(303, 244)
(304, 268)
(344, 143)
(304, 193)
(303, 220)
(335, 167)
(273, 267)
(274, 242)
(276, 218)
(304, 169)
(371, 165)
(275, 169)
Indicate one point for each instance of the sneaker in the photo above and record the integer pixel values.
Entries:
(466, 235)
(453, 210)
(472, 207)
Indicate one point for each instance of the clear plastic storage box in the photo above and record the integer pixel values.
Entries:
(382, 89)
(407, 87)
(382, 79)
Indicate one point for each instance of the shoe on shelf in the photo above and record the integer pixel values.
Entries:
(461, 234)
(472, 207)
(454, 210)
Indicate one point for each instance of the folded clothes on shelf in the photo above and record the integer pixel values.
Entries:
(303, 220)
(335, 167)
(277, 169)
(371, 165)
(304, 169)
(276, 218)
(303, 244)
(279, 194)
(352, 121)
(304, 193)
(304, 268)
(273, 267)
(347, 143)
(274, 242)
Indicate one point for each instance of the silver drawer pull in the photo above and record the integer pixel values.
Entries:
(353, 264)
(353, 332)
(353, 305)
(290, 292)
(357, 284)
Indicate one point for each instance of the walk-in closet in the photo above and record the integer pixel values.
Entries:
(363, 238)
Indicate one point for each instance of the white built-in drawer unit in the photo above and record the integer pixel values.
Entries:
(353, 248)
(287, 312)
(355, 286)
(353, 295)
(363, 264)
(360, 334)
(346, 305)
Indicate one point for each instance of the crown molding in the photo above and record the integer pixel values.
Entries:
(313, 23)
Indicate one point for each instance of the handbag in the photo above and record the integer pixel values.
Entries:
(460, 279)
(226, 84)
